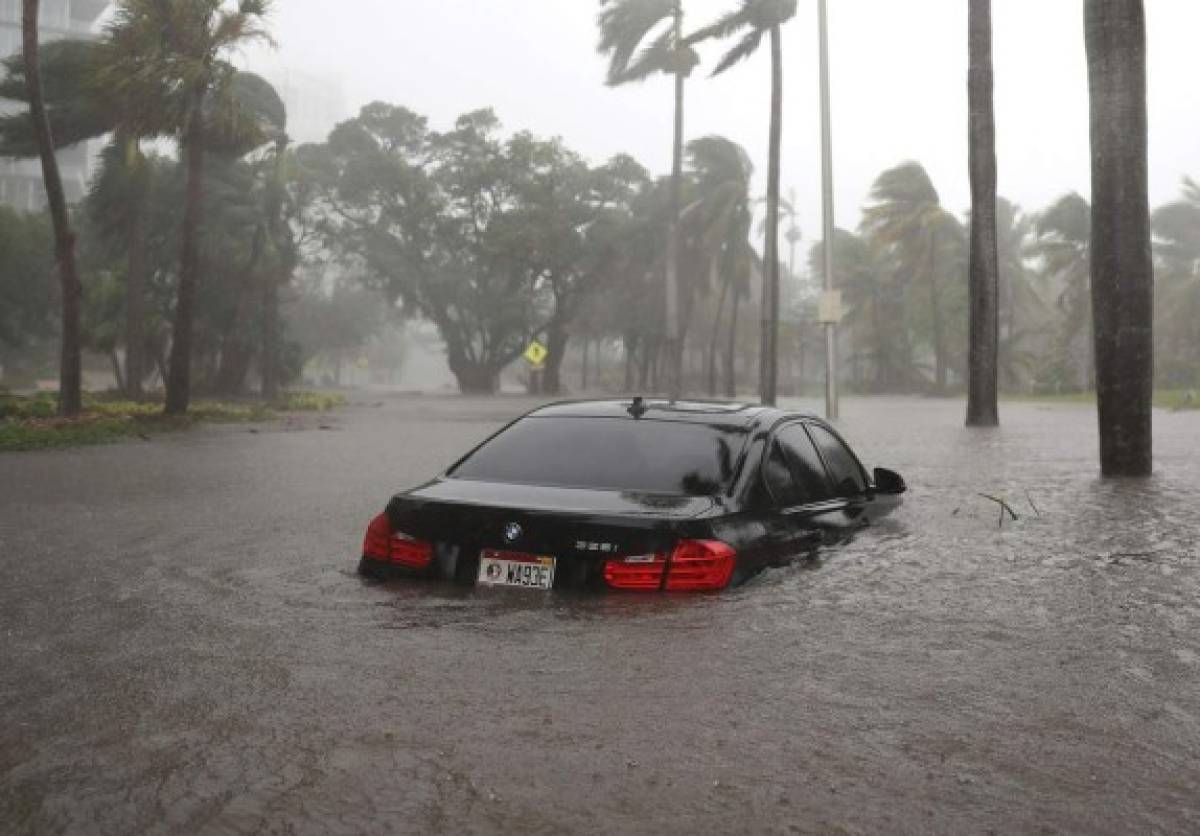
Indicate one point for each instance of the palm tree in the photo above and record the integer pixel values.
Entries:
(1021, 312)
(82, 106)
(71, 365)
(983, 343)
(167, 66)
(1062, 244)
(906, 219)
(719, 220)
(642, 38)
(70, 398)
(874, 302)
(1177, 230)
(754, 19)
(1122, 257)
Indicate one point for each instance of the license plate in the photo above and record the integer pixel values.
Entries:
(525, 571)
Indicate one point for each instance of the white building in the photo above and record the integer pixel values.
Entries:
(21, 180)
(315, 104)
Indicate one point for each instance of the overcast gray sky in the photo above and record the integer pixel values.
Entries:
(899, 86)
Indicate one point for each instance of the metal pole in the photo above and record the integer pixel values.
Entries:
(831, 391)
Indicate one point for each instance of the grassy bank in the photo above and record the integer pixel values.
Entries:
(1163, 398)
(31, 423)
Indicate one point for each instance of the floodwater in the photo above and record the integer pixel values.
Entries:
(184, 646)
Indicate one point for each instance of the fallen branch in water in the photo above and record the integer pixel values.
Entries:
(1029, 499)
(1004, 506)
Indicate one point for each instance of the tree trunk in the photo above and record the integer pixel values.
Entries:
(769, 364)
(475, 379)
(179, 380)
(630, 362)
(731, 348)
(269, 356)
(556, 343)
(716, 338)
(70, 377)
(583, 373)
(935, 314)
(984, 340)
(674, 329)
(135, 281)
(236, 348)
(116, 369)
(288, 256)
(1122, 262)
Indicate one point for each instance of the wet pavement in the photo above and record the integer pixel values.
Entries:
(184, 646)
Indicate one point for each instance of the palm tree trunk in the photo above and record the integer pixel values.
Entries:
(630, 343)
(70, 378)
(270, 339)
(288, 258)
(583, 371)
(716, 337)
(236, 348)
(770, 325)
(1122, 261)
(674, 330)
(180, 373)
(135, 286)
(731, 349)
(983, 346)
(935, 313)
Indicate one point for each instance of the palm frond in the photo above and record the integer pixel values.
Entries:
(625, 25)
(746, 47)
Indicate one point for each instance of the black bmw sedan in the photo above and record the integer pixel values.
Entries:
(641, 495)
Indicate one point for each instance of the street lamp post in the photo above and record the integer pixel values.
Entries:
(831, 314)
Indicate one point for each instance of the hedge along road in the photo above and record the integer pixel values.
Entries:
(186, 646)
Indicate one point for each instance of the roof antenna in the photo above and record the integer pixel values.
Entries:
(638, 408)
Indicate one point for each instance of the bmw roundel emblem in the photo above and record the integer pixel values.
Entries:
(512, 532)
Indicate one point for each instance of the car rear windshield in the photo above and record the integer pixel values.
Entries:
(622, 454)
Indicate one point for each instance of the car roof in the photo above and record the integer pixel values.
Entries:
(661, 409)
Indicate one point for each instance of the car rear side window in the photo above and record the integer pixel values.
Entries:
(844, 468)
(809, 481)
(674, 457)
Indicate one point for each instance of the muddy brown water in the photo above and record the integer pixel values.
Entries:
(184, 647)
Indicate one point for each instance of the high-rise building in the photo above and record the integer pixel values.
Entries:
(315, 103)
(21, 180)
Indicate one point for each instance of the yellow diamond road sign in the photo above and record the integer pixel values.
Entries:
(536, 353)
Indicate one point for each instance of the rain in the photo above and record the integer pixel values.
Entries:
(265, 265)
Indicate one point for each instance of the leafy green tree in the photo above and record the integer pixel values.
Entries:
(924, 241)
(428, 214)
(1177, 230)
(642, 38)
(752, 21)
(1122, 257)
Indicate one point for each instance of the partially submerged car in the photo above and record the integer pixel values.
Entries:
(640, 495)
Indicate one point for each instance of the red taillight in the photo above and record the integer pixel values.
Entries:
(382, 543)
(701, 565)
(694, 566)
(643, 572)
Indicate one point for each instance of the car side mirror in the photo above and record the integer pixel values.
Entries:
(889, 481)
